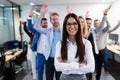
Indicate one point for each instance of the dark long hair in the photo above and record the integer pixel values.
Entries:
(80, 46)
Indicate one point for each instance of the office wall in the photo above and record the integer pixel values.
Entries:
(24, 14)
(80, 9)
(115, 16)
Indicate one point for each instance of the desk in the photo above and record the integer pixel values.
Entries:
(115, 49)
(9, 57)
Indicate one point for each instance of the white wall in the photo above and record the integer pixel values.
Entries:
(24, 14)
(80, 9)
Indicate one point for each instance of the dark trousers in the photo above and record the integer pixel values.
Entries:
(50, 70)
(40, 61)
(89, 76)
(99, 61)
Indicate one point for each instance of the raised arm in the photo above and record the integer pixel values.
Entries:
(68, 9)
(43, 10)
(29, 20)
(37, 25)
(87, 14)
(26, 29)
(106, 29)
(116, 27)
(99, 28)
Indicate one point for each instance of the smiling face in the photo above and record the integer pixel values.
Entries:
(54, 19)
(82, 23)
(72, 32)
(71, 27)
(96, 23)
(44, 23)
(89, 23)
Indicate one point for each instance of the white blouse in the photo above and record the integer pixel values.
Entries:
(71, 66)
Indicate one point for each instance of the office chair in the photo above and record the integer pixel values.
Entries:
(2, 61)
(22, 57)
(9, 72)
(13, 44)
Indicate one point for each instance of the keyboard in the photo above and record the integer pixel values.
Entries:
(10, 52)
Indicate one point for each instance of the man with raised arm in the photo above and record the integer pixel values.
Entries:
(53, 34)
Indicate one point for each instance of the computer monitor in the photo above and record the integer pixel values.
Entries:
(11, 44)
(114, 38)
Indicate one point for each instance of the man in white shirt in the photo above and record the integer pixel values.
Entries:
(39, 44)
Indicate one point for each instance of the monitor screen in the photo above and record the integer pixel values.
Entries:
(114, 38)
(11, 44)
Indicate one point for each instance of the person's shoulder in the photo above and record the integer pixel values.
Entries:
(86, 42)
(50, 28)
(59, 43)
(92, 29)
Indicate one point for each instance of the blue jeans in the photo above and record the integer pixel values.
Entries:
(40, 61)
(105, 61)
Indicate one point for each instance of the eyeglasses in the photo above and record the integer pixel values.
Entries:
(74, 24)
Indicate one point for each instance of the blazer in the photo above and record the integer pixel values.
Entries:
(36, 35)
(29, 33)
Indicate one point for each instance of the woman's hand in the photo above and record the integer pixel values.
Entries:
(60, 59)
(82, 63)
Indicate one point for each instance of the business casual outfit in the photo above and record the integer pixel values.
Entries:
(53, 36)
(92, 39)
(40, 59)
(101, 46)
(101, 43)
(70, 69)
(40, 45)
(34, 44)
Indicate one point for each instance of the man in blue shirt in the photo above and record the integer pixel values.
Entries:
(53, 36)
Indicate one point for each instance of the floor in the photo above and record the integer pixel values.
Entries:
(103, 77)
(26, 75)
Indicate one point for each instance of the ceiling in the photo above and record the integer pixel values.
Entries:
(53, 2)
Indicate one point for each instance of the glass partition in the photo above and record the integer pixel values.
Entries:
(9, 13)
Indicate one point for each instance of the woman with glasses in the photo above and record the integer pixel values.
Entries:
(74, 56)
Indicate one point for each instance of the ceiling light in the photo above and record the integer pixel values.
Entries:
(32, 4)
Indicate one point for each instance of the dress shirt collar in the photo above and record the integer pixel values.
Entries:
(56, 30)
(69, 42)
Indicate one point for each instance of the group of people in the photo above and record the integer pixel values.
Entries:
(72, 51)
